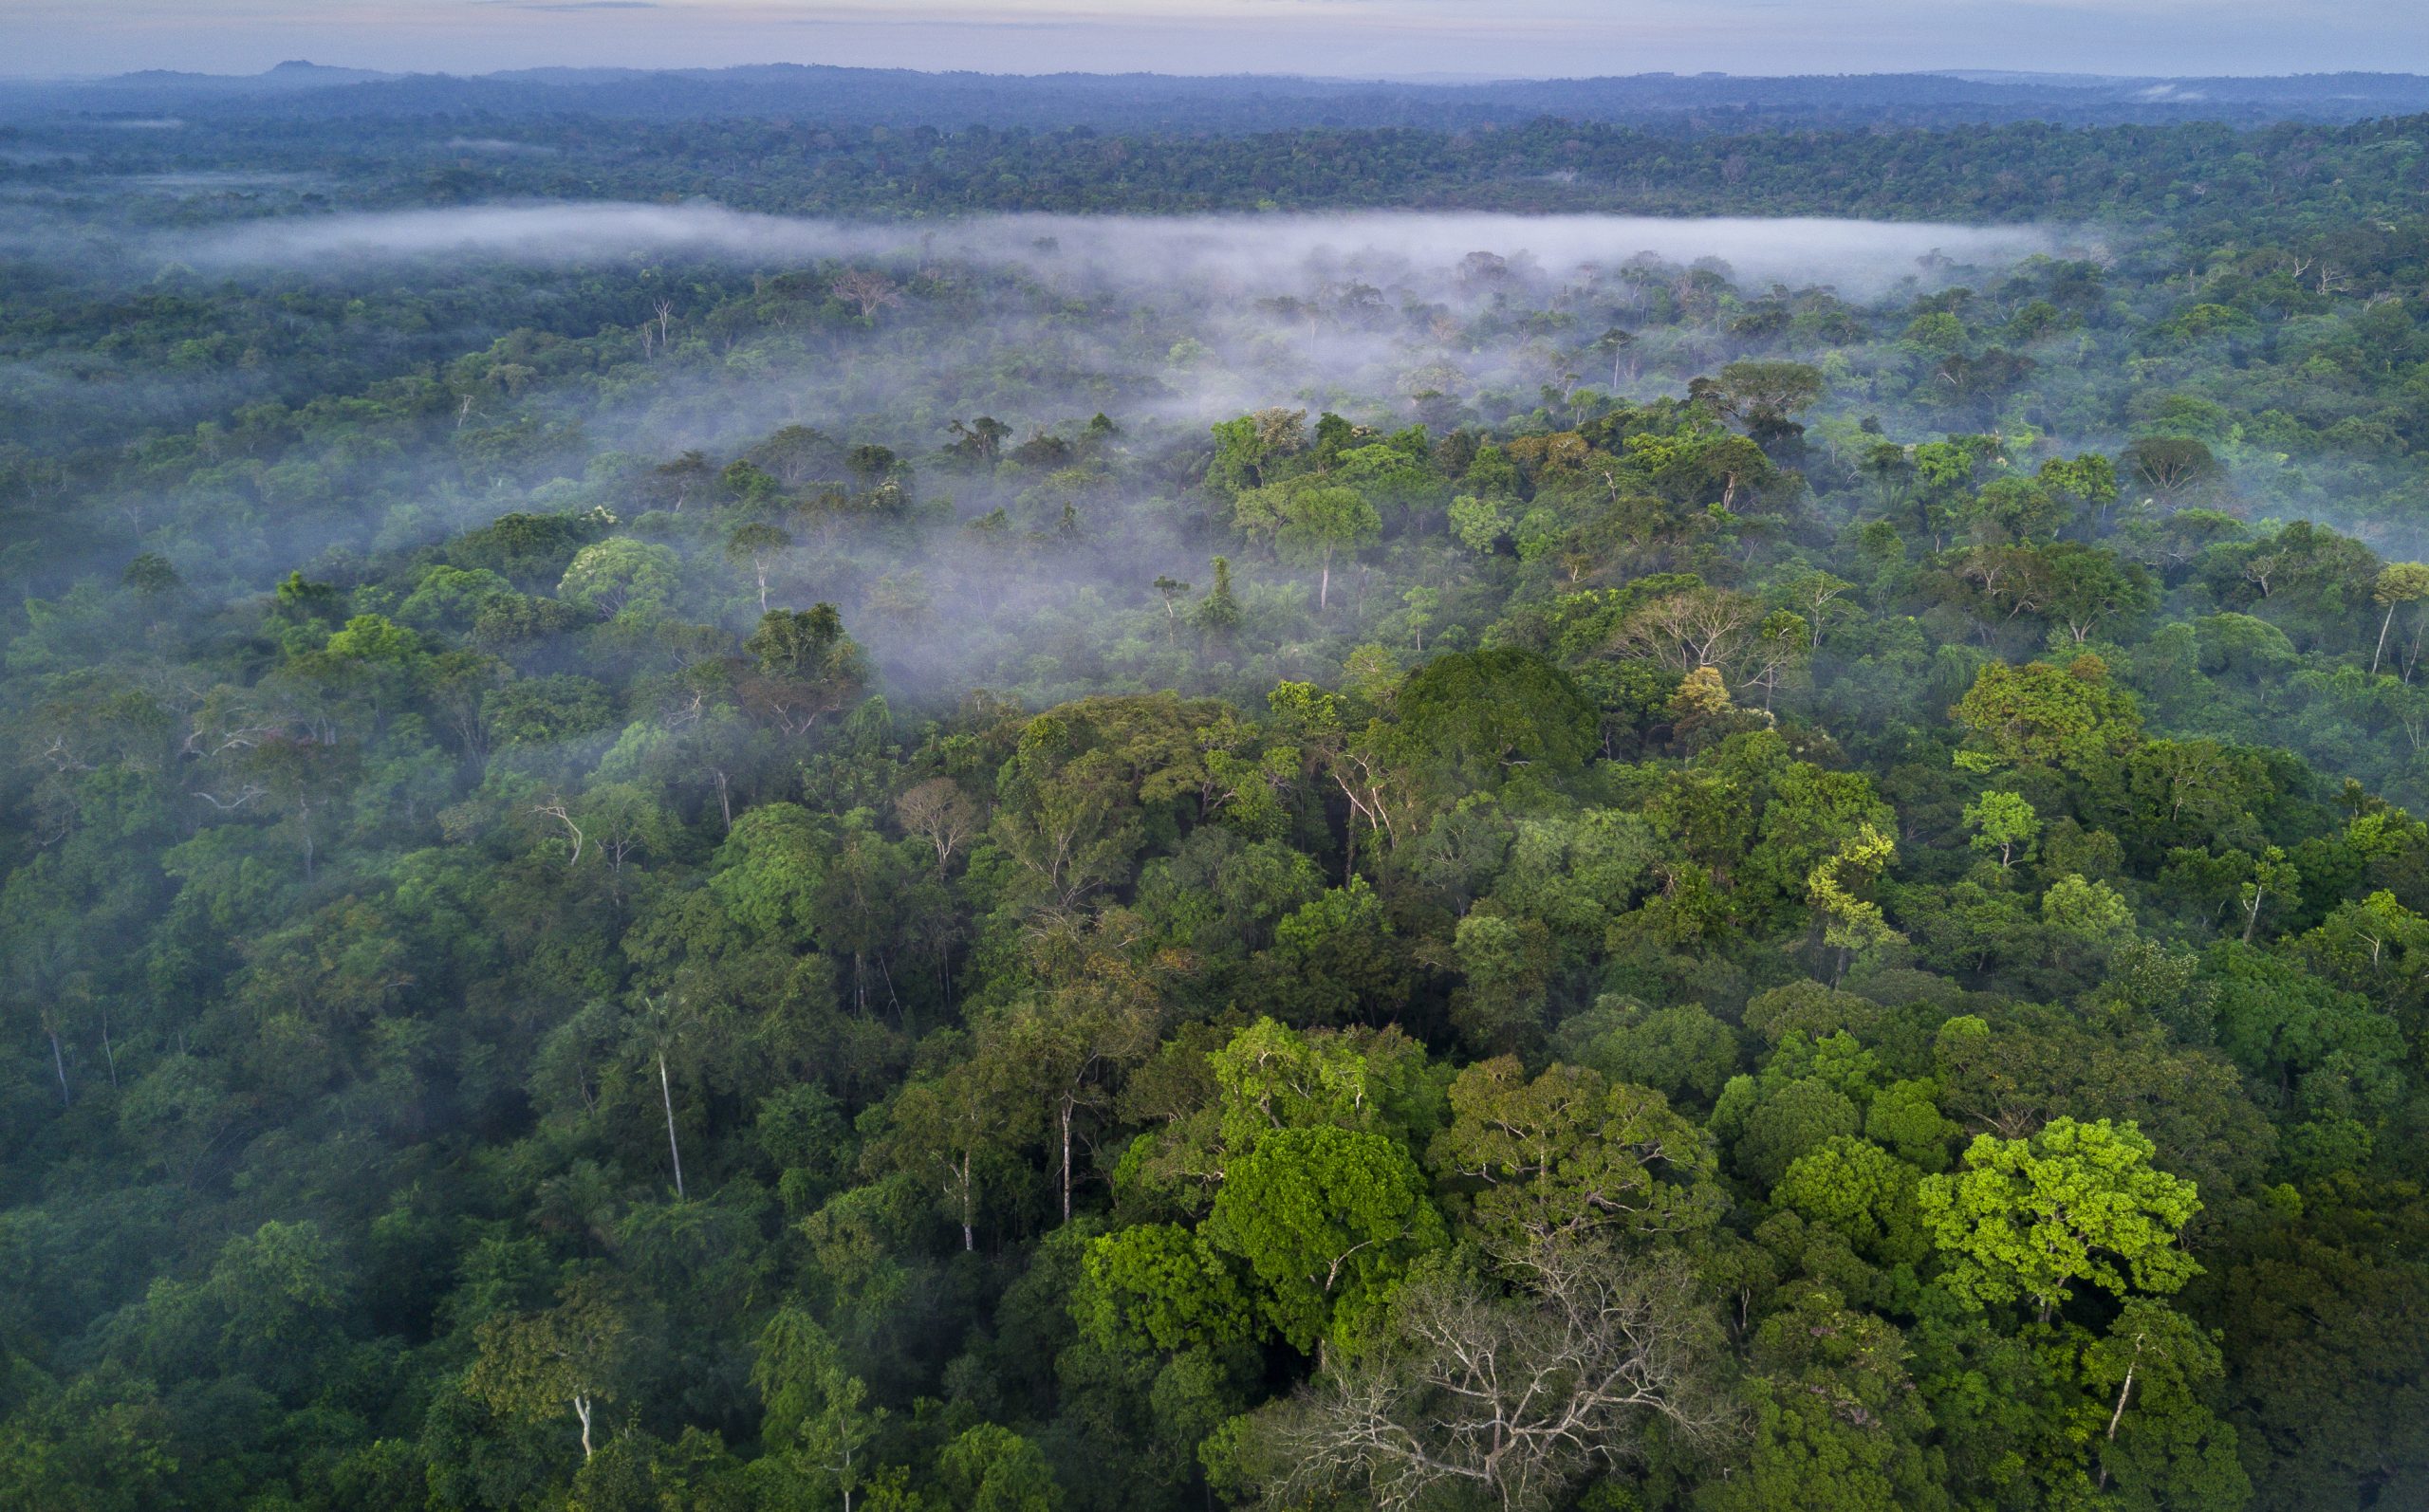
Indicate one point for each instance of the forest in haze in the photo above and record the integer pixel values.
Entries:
(703, 812)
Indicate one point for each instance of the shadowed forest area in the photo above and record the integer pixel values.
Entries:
(718, 812)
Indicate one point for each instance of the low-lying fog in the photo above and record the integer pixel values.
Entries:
(1863, 258)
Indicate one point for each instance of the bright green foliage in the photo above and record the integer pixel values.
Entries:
(2032, 1219)
(994, 1469)
(2004, 825)
(1769, 1128)
(1851, 923)
(1271, 1078)
(1864, 1192)
(1904, 1119)
(1327, 1219)
(2088, 912)
(1479, 523)
(1158, 1286)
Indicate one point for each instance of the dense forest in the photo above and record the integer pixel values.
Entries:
(953, 845)
(1697, 104)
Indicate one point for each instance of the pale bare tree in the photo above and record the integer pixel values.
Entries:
(558, 809)
(1515, 1397)
(940, 813)
(868, 288)
(1698, 627)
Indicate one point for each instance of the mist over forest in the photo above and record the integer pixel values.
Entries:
(806, 805)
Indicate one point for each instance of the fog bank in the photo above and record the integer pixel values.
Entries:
(1862, 257)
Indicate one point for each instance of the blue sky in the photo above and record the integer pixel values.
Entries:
(1362, 38)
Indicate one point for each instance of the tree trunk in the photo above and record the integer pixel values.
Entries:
(2381, 648)
(582, 1410)
(60, 1065)
(1066, 1159)
(1324, 586)
(969, 1234)
(672, 1149)
(2122, 1391)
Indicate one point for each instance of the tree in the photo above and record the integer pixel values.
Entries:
(2078, 1202)
(99, 1442)
(806, 666)
(1767, 395)
(2399, 582)
(1170, 589)
(536, 1365)
(1485, 714)
(2143, 1423)
(1614, 344)
(756, 544)
(151, 577)
(2039, 714)
(939, 812)
(2088, 482)
(990, 1469)
(1421, 602)
(1316, 522)
(661, 1023)
(1512, 1399)
(620, 572)
(1218, 613)
(1567, 1156)
(1327, 1219)
(1479, 523)
(816, 1411)
(953, 1128)
(1815, 595)
(1251, 451)
(1694, 627)
(1851, 924)
(1070, 1049)
(1838, 1423)
(2005, 822)
(1862, 1192)
(1161, 1287)
(2170, 466)
(2082, 588)
(2272, 875)
(867, 287)
(981, 440)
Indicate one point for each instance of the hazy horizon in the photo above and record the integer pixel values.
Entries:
(1405, 40)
